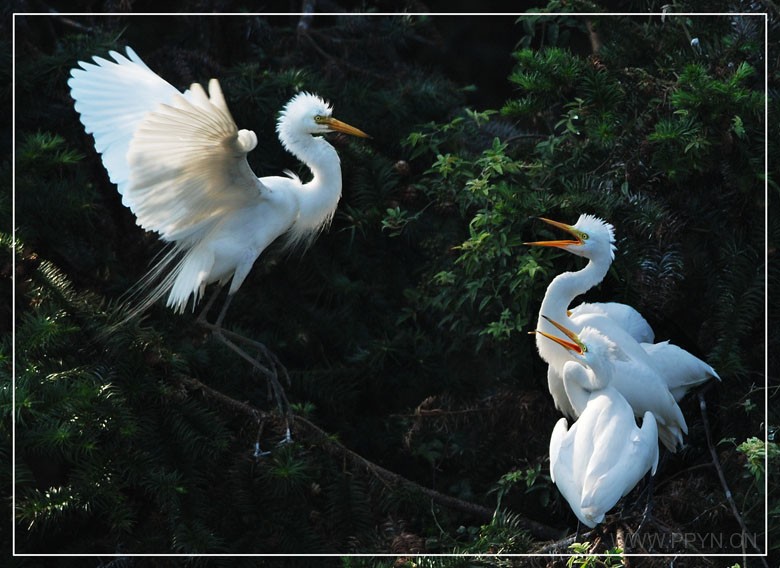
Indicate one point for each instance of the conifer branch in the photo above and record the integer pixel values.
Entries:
(391, 479)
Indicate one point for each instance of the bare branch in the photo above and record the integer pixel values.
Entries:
(391, 479)
(721, 475)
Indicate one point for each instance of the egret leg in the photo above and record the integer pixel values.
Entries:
(271, 371)
(647, 513)
(202, 315)
(259, 453)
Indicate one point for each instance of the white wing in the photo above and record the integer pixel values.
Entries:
(179, 161)
(113, 97)
(188, 166)
(557, 389)
(681, 370)
(565, 471)
(621, 453)
(556, 441)
(625, 316)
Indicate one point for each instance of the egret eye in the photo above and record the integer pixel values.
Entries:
(319, 119)
(584, 236)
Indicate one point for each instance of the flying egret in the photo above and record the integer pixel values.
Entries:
(604, 454)
(594, 240)
(179, 162)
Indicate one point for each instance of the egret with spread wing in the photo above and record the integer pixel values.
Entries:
(179, 162)
(604, 454)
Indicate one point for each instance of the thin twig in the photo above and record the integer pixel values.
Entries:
(70, 22)
(563, 544)
(722, 476)
(341, 63)
(304, 23)
(391, 479)
(620, 539)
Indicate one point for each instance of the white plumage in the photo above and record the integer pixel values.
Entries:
(625, 316)
(604, 454)
(179, 161)
(649, 371)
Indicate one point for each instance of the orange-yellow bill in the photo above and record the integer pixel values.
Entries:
(559, 243)
(338, 126)
(574, 345)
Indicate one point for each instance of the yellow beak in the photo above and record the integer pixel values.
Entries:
(574, 345)
(338, 126)
(562, 243)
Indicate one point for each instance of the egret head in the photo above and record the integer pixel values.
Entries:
(592, 237)
(590, 347)
(308, 114)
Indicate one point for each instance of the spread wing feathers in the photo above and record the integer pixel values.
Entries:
(188, 167)
(170, 154)
(113, 97)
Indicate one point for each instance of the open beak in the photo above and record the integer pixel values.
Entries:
(574, 345)
(562, 243)
(338, 126)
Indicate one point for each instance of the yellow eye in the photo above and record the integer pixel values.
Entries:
(584, 236)
(319, 119)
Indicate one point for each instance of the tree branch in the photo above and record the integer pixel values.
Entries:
(391, 479)
(721, 475)
(307, 15)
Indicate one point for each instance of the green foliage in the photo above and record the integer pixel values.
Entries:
(756, 453)
(487, 281)
(582, 559)
(503, 535)
(404, 327)
(687, 140)
(533, 480)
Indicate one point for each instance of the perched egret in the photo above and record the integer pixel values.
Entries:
(594, 239)
(179, 162)
(638, 383)
(678, 369)
(604, 454)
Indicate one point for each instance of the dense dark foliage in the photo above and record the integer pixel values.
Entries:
(404, 327)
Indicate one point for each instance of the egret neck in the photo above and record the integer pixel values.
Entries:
(563, 289)
(323, 192)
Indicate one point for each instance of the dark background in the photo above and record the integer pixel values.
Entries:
(117, 452)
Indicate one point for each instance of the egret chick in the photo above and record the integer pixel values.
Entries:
(604, 454)
(661, 365)
(594, 239)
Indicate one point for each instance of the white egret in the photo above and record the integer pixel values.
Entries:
(636, 379)
(179, 162)
(639, 384)
(604, 454)
(594, 240)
